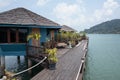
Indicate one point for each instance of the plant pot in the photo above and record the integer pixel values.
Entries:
(52, 66)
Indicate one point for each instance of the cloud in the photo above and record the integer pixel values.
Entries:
(4, 3)
(80, 1)
(42, 2)
(64, 10)
(74, 15)
(69, 14)
(110, 4)
(107, 9)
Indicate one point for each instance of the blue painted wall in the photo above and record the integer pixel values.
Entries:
(30, 31)
(56, 31)
(18, 49)
(12, 49)
(43, 32)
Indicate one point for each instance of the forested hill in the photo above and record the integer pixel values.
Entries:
(108, 27)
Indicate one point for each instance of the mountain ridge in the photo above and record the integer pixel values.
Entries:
(108, 27)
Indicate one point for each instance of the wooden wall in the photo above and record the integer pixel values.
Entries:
(52, 34)
(35, 42)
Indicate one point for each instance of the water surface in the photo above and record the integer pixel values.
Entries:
(103, 58)
(13, 65)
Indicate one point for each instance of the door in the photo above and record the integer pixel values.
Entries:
(34, 41)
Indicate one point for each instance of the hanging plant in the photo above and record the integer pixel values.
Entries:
(33, 36)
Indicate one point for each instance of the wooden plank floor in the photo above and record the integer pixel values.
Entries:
(67, 66)
(61, 52)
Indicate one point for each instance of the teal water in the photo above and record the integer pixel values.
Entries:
(13, 65)
(103, 58)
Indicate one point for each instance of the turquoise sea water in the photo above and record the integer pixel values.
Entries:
(103, 58)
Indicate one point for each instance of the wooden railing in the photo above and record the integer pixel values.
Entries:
(34, 51)
(36, 54)
(50, 44)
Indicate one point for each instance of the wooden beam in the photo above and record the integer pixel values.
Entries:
(18, 59)
(52, 34)
(17, 36)
(29, 65)
(3, 65)
(8, 35)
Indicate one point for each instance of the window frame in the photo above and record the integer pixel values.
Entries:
(17, 35)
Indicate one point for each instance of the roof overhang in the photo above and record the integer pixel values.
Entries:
(29, 26)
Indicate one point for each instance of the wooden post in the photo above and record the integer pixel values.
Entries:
(18, 59)
(29, 65)
(0, 68)
(0, 60)
(2, 65)
(25, 57)
(17, 36)
(8, 35)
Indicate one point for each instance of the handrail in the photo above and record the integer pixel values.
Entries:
(34, 46)
(77, 77)
(82, 61)
(29, 68)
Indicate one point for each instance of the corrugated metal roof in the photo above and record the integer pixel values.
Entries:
(23, 16)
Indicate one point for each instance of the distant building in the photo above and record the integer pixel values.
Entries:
(16, 24)
(67, 28)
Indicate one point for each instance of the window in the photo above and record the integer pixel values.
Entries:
(22, 35)
(13, 35)
(3, 35)
(48, 32)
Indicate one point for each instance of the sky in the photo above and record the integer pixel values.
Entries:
(78, 14)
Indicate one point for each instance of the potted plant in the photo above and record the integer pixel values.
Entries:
(52, 58)
(72, 43)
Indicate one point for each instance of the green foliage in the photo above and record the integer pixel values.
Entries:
(52, 57)
(14, 79)
(33, 36)
(66, 36)
(83, 35)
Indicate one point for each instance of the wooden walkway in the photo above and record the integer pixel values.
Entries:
(67, 66)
